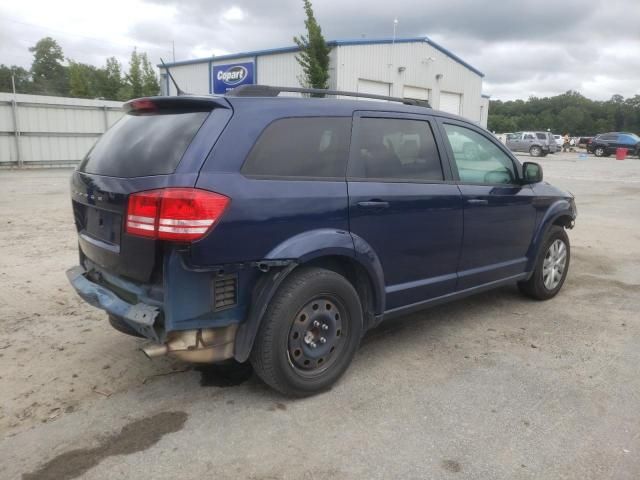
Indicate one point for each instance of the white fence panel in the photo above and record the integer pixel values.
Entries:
(47, 131)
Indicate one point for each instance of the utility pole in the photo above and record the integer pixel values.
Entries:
(395, 25)
(173, 48)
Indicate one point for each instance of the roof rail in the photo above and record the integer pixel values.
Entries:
(269, 91)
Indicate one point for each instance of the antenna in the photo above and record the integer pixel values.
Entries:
(179, 91)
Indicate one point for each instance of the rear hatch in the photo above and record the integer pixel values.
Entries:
(160, 142)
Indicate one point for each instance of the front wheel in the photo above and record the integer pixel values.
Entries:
(551, 267)
(599, 152)
(309, 334)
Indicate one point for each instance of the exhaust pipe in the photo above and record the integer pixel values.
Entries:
(204, 345)
(152, 351)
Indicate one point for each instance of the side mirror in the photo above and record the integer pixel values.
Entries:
(531, 172)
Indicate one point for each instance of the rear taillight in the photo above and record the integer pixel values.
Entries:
(177, 214)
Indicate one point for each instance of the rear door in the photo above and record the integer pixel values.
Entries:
(499, 214)
(155, 145)
(401, 204)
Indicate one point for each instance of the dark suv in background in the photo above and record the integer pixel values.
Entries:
(606, 144)
(279, 230)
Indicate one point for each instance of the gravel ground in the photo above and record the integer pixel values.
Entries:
(495, 386)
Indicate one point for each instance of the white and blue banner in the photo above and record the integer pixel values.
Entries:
(226, 77)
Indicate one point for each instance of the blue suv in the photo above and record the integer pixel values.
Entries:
(279, 229)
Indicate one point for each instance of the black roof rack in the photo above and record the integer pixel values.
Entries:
(269, 91)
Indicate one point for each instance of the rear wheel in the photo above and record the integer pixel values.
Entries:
(309, 334)
(551, 267)
(535, 151)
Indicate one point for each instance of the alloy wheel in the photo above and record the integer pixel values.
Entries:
(555, 261)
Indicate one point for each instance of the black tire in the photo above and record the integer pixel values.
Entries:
(599, 152)
(287, 338)
(535, 151)
(535, 286)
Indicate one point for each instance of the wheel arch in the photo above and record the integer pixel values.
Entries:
(335, 250)
(561, 214)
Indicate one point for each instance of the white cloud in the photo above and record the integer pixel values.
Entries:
(234, 14)
(524, 48)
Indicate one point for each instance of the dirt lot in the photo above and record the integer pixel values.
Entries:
(495, 386)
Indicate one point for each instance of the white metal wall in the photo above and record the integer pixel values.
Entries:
(415, 64)
(484, 111)
(280, 69)
(51, 129)
(192, 78)
(408, 66)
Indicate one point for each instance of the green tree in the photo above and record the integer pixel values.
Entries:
(48, 73)
(83, 80)
(21, 77)
(314, 53)
(134, 77)
(109, 80)
(150, 85)
(570, 112)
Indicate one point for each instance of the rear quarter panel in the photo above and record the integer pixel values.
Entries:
(265, 212)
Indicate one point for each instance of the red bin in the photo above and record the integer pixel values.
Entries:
(621, 153)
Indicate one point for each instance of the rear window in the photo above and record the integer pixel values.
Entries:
(312, 147)
(391, 149)
(140, 145)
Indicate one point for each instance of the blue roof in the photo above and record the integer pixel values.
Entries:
(331, 43)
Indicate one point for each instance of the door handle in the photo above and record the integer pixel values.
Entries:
(376, 204)
(477, 201)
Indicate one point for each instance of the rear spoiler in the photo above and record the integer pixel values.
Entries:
(184, 103)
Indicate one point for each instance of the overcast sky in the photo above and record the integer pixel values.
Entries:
(526, 47)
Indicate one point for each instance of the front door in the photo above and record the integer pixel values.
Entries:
(401, 204)
(499, 215)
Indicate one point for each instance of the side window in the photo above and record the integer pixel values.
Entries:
(541, 136)
(312, 147)
(394, 148)
(528, 136)
(478, 159)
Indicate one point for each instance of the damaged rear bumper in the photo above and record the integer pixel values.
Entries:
(203, 345)
(141, 317)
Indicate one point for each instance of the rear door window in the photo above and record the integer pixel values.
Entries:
(609, 137)
(141, 145)
(395, 149)
(309, 147)
(541, 136)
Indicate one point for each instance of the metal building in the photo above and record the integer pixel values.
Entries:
(405, 67)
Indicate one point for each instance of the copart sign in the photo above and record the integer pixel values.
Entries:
(226, 77)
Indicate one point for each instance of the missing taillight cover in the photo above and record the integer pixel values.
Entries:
(177, 214)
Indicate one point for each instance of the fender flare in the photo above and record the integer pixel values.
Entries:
(558, 209)
(298, 250)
